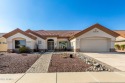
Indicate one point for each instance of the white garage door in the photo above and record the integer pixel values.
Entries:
(94, 45)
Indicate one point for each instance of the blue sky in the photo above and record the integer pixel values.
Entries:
(61, 14)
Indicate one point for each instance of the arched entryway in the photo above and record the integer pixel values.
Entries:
(50, 44)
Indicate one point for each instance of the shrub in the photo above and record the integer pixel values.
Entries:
(65, 55)
(118, 47)
(24, 50)
(122, 47)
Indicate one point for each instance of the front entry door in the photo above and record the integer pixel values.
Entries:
(50, 45)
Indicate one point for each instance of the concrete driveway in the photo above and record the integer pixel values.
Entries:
(114, 59)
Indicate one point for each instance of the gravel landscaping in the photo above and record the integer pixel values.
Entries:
(16, 63)
(63, 62)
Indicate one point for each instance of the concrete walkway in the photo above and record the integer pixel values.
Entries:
(116, 60)
(41, 65)
(67, 77)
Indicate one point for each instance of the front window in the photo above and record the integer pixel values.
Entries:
(63, 44)
(20, 43)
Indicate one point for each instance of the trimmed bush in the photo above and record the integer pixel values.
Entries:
(65, 55)
(118, 47)
(24, 50)
(122, 47)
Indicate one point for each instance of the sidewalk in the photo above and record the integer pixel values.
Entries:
(10, 78)
(67, 77)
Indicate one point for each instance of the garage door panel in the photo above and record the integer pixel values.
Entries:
(94, 45)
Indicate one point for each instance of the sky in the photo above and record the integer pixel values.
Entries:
(61, 14)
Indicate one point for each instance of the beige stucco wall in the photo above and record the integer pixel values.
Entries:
(3, 47)
(29, 42)
(73, 43)
(120, 40)
(43, 42)
(120, 43)
(91, 34)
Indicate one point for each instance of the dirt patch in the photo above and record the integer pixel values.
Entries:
(60, 63)
(16, 63)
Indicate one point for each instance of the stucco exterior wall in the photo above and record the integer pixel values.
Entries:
(120, 43)
(120, 40)
(94, 33)
(73, 44)
(43, 42)
(3, 44)
(29, 42)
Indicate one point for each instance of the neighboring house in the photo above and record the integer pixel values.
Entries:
(3, 43)
(95, 38)
(121, 39)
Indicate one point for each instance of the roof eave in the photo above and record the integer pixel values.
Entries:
(18, 31)
(114, 34)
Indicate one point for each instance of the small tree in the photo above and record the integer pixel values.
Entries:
(118, 47)
(122, 47)
(36, 48)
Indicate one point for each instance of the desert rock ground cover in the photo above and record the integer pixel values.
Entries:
(61, 63)
(16, 63)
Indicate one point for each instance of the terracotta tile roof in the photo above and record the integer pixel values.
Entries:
(65, 33)
(57, 33)
(33, 32)
(120, 32)
(73, 33)
(18, 31)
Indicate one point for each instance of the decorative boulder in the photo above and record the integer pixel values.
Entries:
(71, 55)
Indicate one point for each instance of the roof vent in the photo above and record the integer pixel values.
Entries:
(95, 31)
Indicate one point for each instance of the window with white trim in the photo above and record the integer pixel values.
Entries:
(39, 42)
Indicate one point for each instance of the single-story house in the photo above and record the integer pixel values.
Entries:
(95, 38)
(121, 39)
